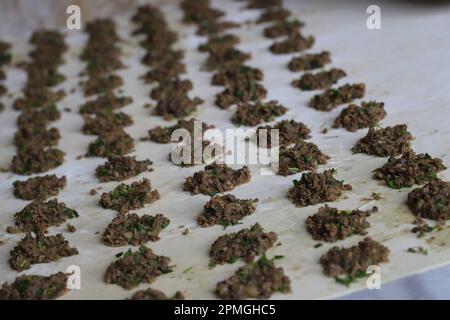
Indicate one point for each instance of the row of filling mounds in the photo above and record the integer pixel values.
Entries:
(367, 250)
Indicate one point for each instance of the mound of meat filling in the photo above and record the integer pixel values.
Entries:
(314, 188)
(409, 169)
(432, 201)
(126, 197)
(245, 244)
(383, 142)
(331, 224)
(216, 178)
(354, 260)
(258, 280)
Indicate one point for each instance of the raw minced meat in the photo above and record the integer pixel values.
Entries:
(331, 98)
(126, 197)
(237, 74)
(432, 201)
(39, 249)
(176, 106)
(105, 122)
(409, 169)
(273, 14)
(244, 91)
(383, 142)
(314, 188)
(110, 144)
(105, 103)
(319, 80)
(254, 113)
(356, 117)
(309, 61)
(153, 294)
(331, 224)
(226, 210)
(36, 160)
(289, 132)
(35, 287)
(121, 168)
(40, 215)
(301, 157)
(294, 43)
(259, 280)
(134, 268)
(39, 187)
(245, 244)
(228, 57)
(164, 134)
(216, 178)
(133, 230)
(354, 260)
(219, 42)
(283, 28)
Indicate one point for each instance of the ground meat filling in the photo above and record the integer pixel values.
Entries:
(241, 91)
(301, 157)
(332, 98)
(216, 178)
(264, 4)
(258, 280)
(383, 142)
(170, 87)
(164, 134)
(212, 27)
(39, 215)
(409, 169)
(5, 55)
(105, 122)
(309, 61)
(164, 71)
(34, 287)
(39, 249)
(177, 106)
(39, 187)
(34, 137)
(289, 132)
(37, 98)
(126, 197)
(133, 230)
(354, 260)
(208, 153)
(294, 43)
(432, 201)
(314, 188)
(219, 42)
(153, 294)
(199, 11)
(121, 168)
(253, 114)
(238, 74)
(273, 14)
(38, 118)
(283, 28)
(111, 144)
(104, 104)
(356, 117)
(134, 268)
(331, 224)
(226, 210)
(101, 84)
(319, 80)
(226, 58)
(36, 160)
(245, 244)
